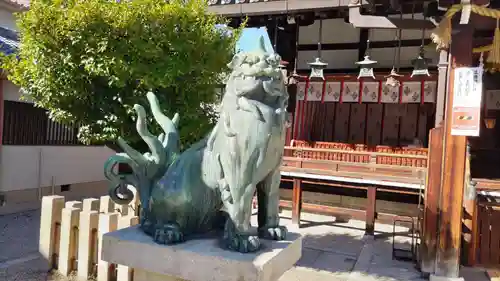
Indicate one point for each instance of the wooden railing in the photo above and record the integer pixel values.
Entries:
(407, 165)
(382, 158)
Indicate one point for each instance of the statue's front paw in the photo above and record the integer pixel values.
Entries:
(148, 227)
(243, 243)
(168, 234)
(273, 233)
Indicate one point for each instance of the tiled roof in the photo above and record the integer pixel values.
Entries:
(268, 7)
(18, 3)
(25, 3)
(9, 41)
(226, 2)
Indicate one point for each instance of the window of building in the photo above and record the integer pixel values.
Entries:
(65, 187)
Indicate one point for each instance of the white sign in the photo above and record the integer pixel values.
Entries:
(467, 93)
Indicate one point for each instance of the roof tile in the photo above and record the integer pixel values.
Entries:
(19, 3)
(226, 2)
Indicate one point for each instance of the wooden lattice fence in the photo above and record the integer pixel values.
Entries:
(71, 234)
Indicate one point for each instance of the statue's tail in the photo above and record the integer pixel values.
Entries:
(147, 167)
(118, 190)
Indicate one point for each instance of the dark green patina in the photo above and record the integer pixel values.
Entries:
(188, 193)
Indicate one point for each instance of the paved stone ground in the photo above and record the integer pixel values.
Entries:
(339, 251)
(333, 251)
(19, 257)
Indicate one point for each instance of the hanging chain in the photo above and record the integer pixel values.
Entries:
(400, 33)
(395, 51)
(423, 40)
(297, 29)
(320, 36)
(367, 51)
(275, 39)
(423, 36)
(398, 50)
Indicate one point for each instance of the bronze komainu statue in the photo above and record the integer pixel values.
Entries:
(188, 193)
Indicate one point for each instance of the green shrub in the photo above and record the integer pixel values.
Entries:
(89, 61)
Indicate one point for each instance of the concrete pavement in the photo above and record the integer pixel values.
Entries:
(333, 251)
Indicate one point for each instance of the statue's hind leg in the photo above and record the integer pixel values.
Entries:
(268, 207)
(168, 233)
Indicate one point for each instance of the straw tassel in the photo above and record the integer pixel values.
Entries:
(441, 35)
(494, 56)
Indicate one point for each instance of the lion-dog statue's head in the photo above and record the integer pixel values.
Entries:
(256, 76)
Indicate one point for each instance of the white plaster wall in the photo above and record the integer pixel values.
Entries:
(334, 31)
(21, 167)
(337, 31)
(388, 34)
(28, 167)
(11, 92)
(336, 59)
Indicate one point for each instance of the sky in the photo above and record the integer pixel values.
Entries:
(249, 40)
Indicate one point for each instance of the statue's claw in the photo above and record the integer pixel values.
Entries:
(146, 225)
(168, 234)
(242, 243)
(273, 233)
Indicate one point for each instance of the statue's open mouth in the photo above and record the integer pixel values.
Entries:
(268, 78)
(259, 73)
(263, 78)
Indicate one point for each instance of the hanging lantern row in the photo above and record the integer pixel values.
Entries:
(420, 64)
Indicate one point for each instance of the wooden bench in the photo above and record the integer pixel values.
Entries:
(368, 170)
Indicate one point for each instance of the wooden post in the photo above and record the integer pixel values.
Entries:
(429, 237)
(1, 111)
(371, 195)
(107, 223)
(472, 259)
(124, 273)
(90, 204)
(441, 88)
(469, 216)
(452, 187)
(68, 242)
(296, 201)
(106, 205)
(87, 244)
(50, 221)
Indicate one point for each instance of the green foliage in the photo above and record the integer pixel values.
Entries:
(89, 61)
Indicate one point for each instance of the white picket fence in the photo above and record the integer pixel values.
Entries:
(71, 234)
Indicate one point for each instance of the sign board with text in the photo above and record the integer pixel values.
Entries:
(466, 109)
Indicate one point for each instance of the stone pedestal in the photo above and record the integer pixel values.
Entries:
(199, 259)
(433, 277)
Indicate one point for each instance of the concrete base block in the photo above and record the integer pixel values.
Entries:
(442, 278)
(198, 259)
